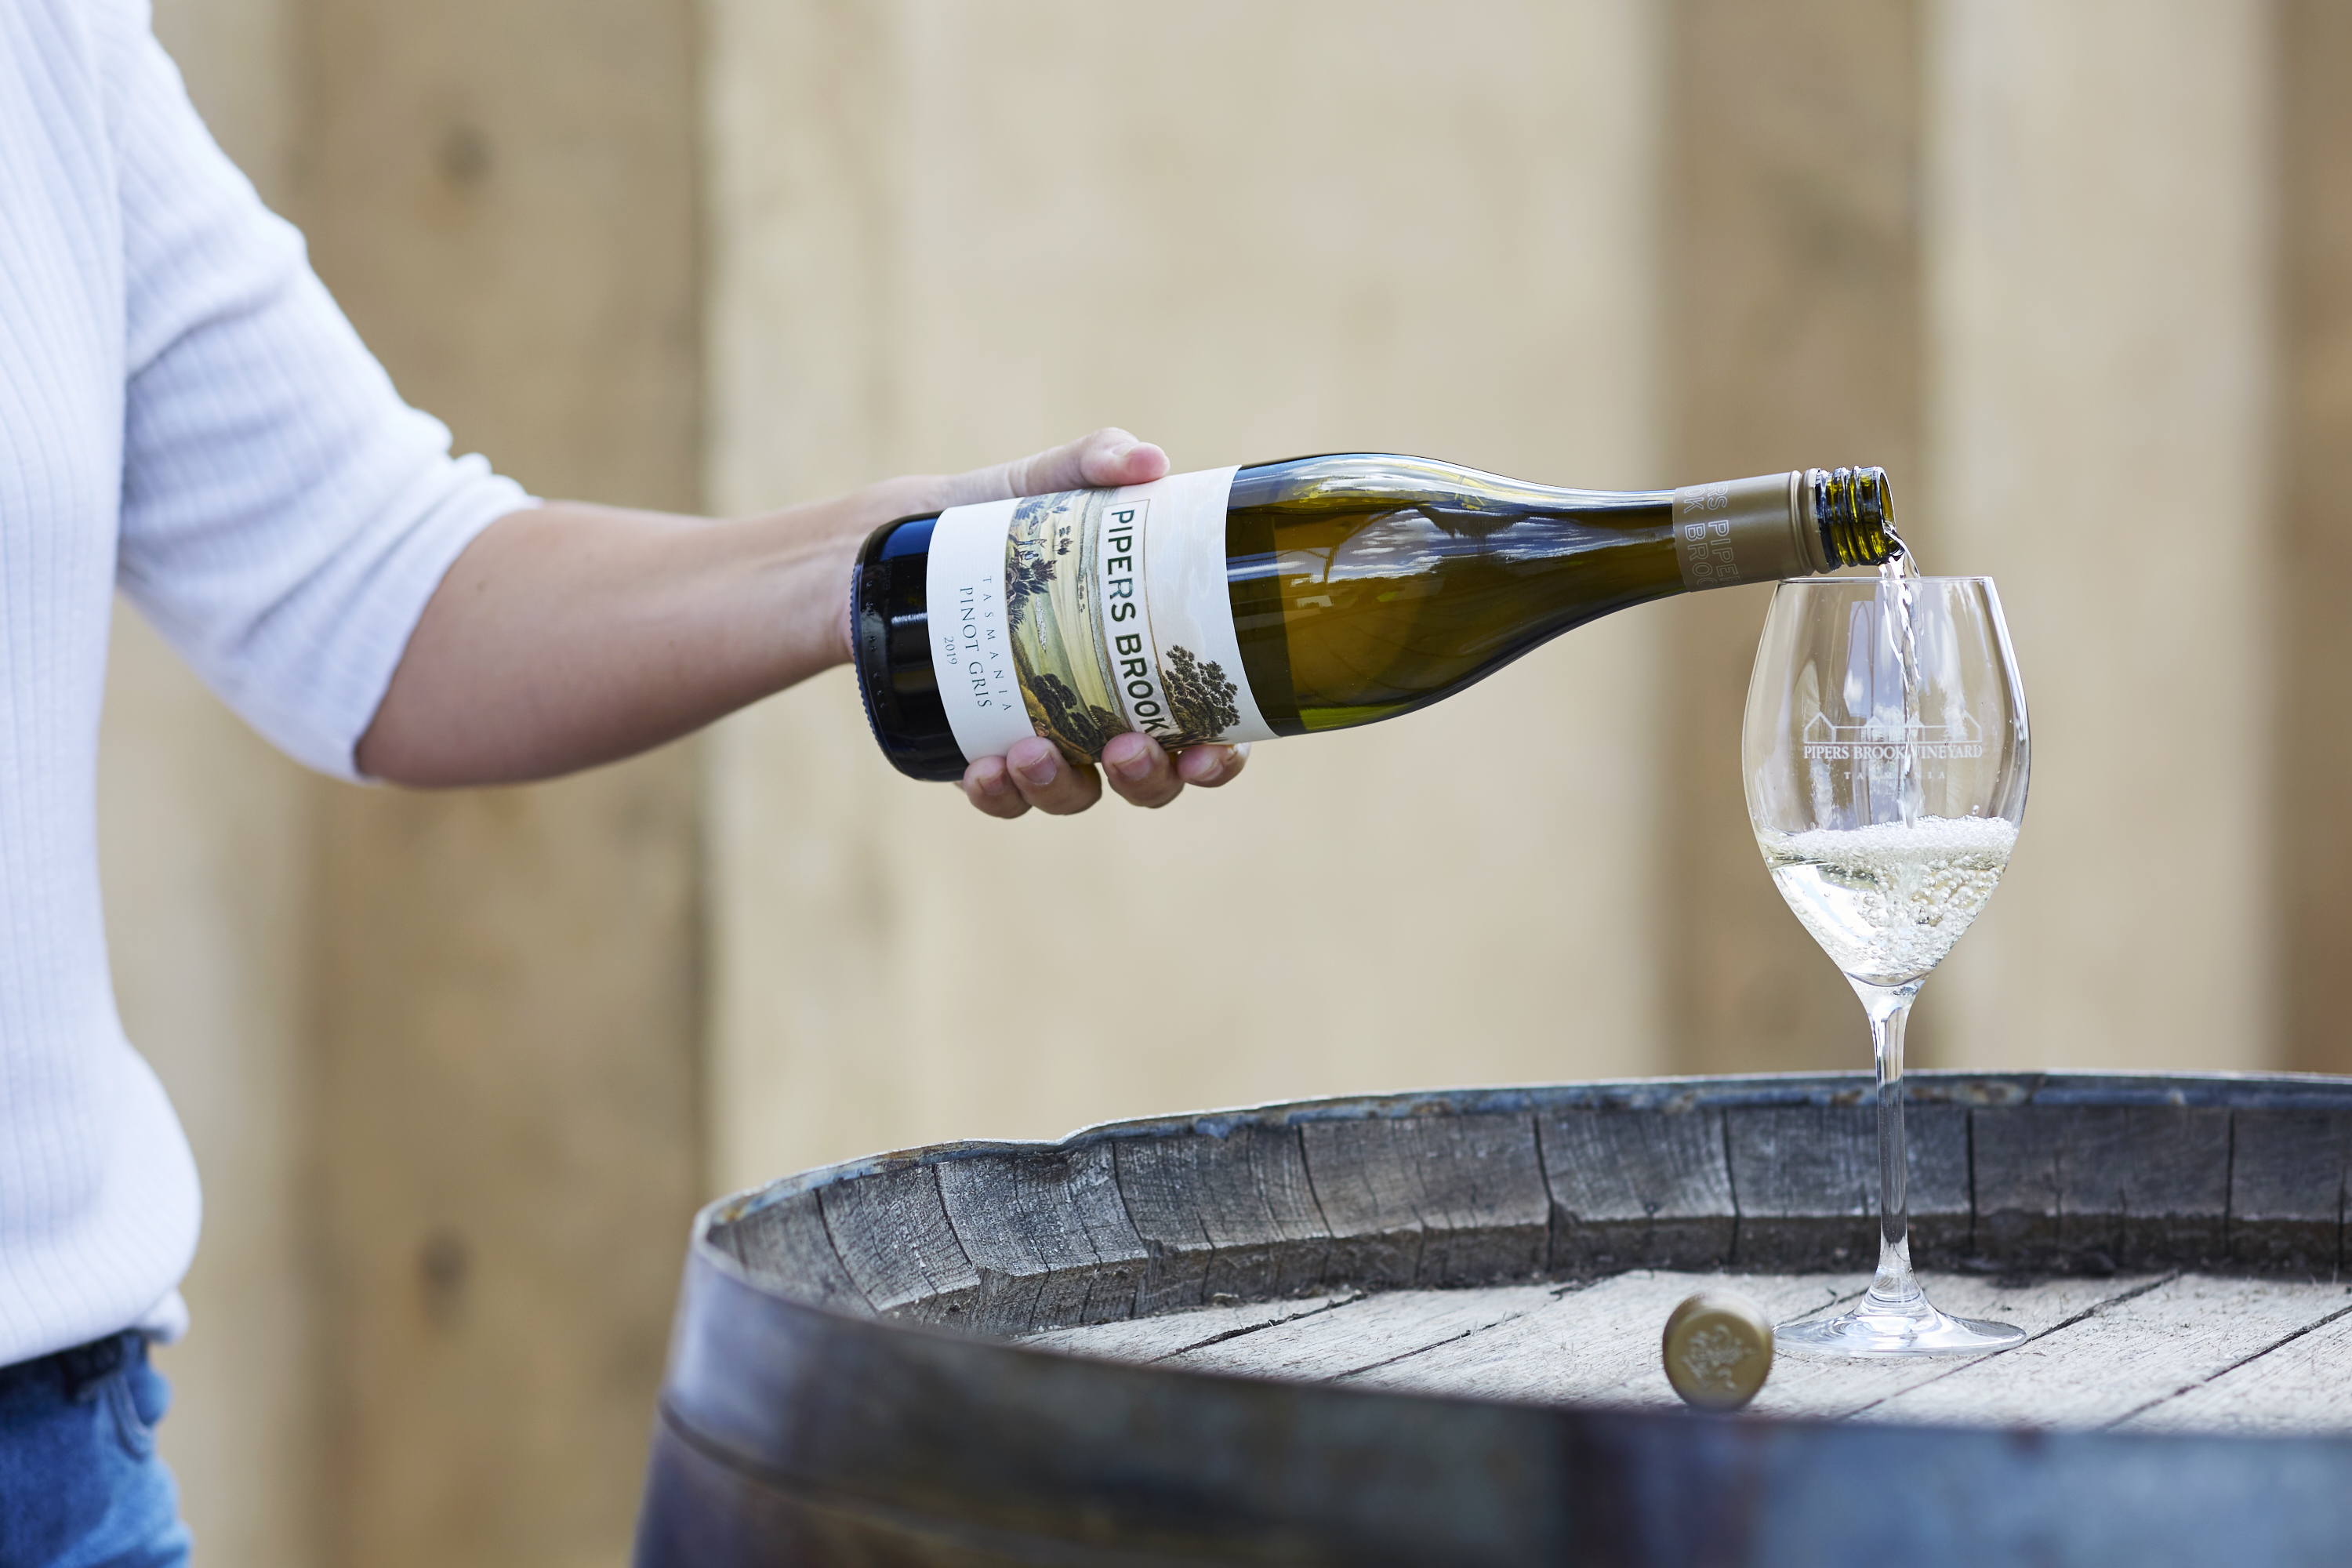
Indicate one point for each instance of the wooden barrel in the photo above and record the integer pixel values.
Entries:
(1425, 1329)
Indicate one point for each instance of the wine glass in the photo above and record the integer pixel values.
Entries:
(1885, 754)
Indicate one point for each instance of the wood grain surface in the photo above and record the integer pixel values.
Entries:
(2148, 1352)
(1806, 1177)
(1431, 1200)
(2121, 1185)
(1049, 1239)
(2288, 1172)
(1595, 1342)
(1637, 1188)
(787, 1240)
(893, 1236)
(1229, 1215)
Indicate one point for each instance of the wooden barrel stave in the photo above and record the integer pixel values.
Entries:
(784, 1245)
(1223, 1211)
(2120, 1186)
(1237, 1209)
(1429, 1201)
(1028, 1445)
(1636, 1187)
(2288, 1169)
(796, 1295)
(1049, 1237)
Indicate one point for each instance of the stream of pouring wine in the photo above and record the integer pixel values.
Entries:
(1897, 577)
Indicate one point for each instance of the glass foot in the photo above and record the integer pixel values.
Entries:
(1880, 1325)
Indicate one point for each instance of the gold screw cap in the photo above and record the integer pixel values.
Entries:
(1718, 1348)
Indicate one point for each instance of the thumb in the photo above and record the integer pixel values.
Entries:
(1108, 456)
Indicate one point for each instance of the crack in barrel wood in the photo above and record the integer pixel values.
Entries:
(1423, 1328)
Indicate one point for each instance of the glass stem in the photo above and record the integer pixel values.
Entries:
(1890, 1009)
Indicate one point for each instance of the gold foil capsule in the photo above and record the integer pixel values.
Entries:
(1718, 1350)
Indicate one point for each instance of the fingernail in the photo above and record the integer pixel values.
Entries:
(1121, 451)
(1039, 773)
(993, 783)
(1135, 764)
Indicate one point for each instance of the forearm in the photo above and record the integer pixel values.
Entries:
(574, 635)
(571, 635)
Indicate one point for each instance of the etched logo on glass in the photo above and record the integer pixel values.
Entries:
(1879, 740)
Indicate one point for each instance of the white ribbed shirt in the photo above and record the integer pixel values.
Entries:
(184, 415)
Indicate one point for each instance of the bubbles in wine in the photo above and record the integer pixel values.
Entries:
(1888, 900)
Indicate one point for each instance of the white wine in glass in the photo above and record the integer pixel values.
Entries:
(1885, 753)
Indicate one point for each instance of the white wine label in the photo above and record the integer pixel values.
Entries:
(1127, 617)
(1114, 613)
(972, 648)
(1192, 612)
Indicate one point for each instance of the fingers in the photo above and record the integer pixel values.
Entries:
(1107, 457)
(1031, 772)
(1207, 767)
(1140, 771)
(988, 784)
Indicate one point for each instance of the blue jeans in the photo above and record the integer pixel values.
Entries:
(81, 1486)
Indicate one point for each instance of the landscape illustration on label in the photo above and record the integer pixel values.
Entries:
(1080, 613)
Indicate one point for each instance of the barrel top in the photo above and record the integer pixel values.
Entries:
(1263, 1306)
(2083, 1086)
(1309, 1240)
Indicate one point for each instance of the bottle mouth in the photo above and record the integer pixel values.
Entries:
(1854, 509)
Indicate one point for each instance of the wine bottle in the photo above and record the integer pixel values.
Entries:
(1240, 603)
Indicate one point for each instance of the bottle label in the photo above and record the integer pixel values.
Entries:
(1745, 530)
(1086, 613)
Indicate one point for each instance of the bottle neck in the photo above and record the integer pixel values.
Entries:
(1793, 524)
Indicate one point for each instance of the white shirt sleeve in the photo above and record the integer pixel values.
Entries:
(285, 515)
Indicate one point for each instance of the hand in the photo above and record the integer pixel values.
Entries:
(1109, 457)
(1033, 772)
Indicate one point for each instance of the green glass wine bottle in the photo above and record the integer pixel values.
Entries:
(1240, 603)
